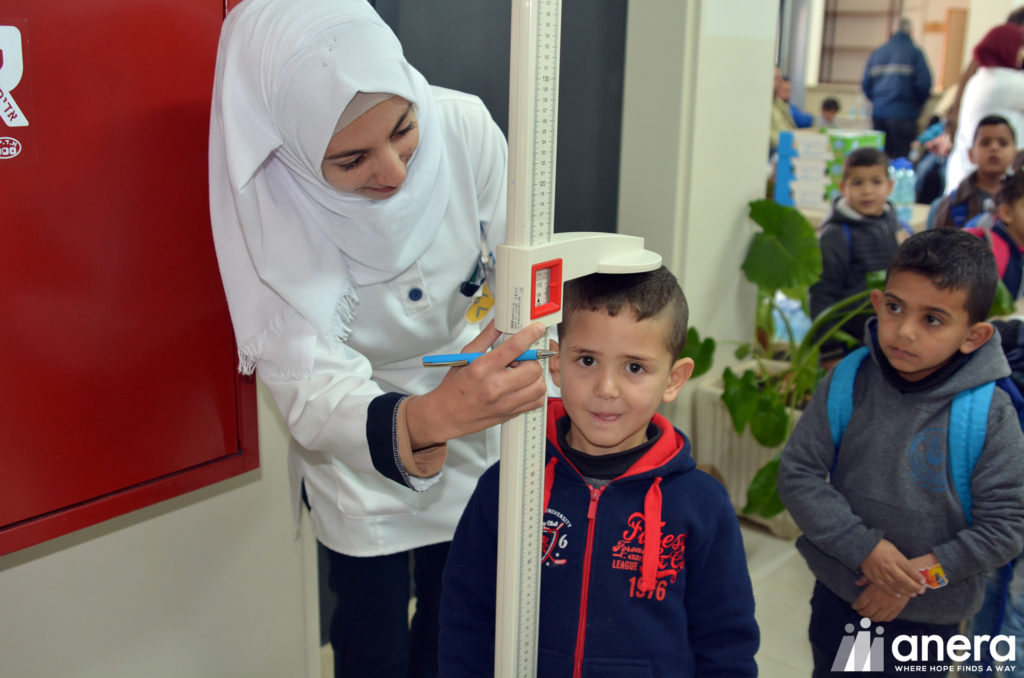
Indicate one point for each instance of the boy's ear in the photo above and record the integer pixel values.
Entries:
(977, 336)
(553, 364)
(877, 296)
(1005, 213)
(970, 154)
(677, 376)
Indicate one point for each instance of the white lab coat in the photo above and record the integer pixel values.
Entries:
(991, 91)
(356, 510)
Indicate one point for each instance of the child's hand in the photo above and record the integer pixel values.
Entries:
(879, 606)
(924, 562)
(889, 570)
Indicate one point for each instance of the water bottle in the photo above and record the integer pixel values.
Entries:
(901, 171)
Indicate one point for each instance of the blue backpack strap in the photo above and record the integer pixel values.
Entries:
(849, 240)
(958, 213)
(840, 397)
(968, 419)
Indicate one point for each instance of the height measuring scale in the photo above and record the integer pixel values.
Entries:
(530, 270)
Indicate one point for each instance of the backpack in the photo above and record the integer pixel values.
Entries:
(968, 418)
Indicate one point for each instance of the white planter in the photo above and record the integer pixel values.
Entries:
(736, 458)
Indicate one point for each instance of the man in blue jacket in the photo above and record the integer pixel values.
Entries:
(897, 81)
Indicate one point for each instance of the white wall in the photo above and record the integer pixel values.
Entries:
(698, 88)
(983, 15)
(923, 12)
(213, 584)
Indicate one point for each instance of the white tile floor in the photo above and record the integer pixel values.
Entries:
(782, 591)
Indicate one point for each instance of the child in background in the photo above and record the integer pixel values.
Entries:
(1006, 235)
(880, 509)
(994, 147)
(928, 153)
(987, 219)
(643, 569)
(829, 110)
(858, 237)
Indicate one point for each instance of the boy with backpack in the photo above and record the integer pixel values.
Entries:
(898, 526)
(1005, 234)
(994, 146)
(859, 236)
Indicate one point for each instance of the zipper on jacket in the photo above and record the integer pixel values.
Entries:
(581, 631)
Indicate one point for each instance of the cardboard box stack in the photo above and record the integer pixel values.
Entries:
(809, 164)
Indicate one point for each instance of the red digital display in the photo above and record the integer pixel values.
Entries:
(547, 288)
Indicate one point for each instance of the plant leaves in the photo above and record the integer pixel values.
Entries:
(847, 339)
(785, 253)
(702, 352)
(1002, 303)
(805, 379)
(875, 280)
(763, 495)
(740, 397)
(769, 424)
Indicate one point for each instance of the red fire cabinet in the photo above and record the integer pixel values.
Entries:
(118, 386)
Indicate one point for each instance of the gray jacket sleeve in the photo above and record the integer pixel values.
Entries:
(818, 508)
(997, 494)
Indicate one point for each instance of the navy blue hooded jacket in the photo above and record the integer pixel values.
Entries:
(897, 80)
(614, 602)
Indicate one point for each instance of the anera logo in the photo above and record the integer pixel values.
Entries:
(863, 653)
(860, 653)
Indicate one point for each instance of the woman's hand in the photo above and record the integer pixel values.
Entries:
(490, 390)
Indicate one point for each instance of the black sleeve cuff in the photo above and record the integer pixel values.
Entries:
(382, 437)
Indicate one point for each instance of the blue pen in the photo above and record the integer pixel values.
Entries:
(460, 359)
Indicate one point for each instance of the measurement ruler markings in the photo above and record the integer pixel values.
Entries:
(523, 439)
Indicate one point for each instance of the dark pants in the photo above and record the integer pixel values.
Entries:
(898, 135)
(833, 619)
(370, 630)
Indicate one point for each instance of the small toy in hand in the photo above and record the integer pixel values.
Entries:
(934, 576)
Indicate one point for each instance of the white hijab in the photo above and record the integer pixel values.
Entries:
(291, 248)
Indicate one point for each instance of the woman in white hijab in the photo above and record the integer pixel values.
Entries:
(354, 209)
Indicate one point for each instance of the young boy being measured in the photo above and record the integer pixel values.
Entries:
(889, 508)
(643, 568)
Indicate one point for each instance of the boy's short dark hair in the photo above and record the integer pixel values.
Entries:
(865, 157)
(830, 104)
(951, 259)
(645, 294)
(1012, 189)
(1018, 162)
(990, 121)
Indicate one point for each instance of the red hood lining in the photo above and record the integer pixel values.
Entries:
(660, 454)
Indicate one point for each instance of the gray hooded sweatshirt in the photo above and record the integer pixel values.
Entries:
(892, 481)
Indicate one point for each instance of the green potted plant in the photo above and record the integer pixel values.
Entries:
(783, 368)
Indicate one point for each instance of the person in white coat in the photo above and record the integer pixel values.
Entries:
(997, 88)
(355, 210)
